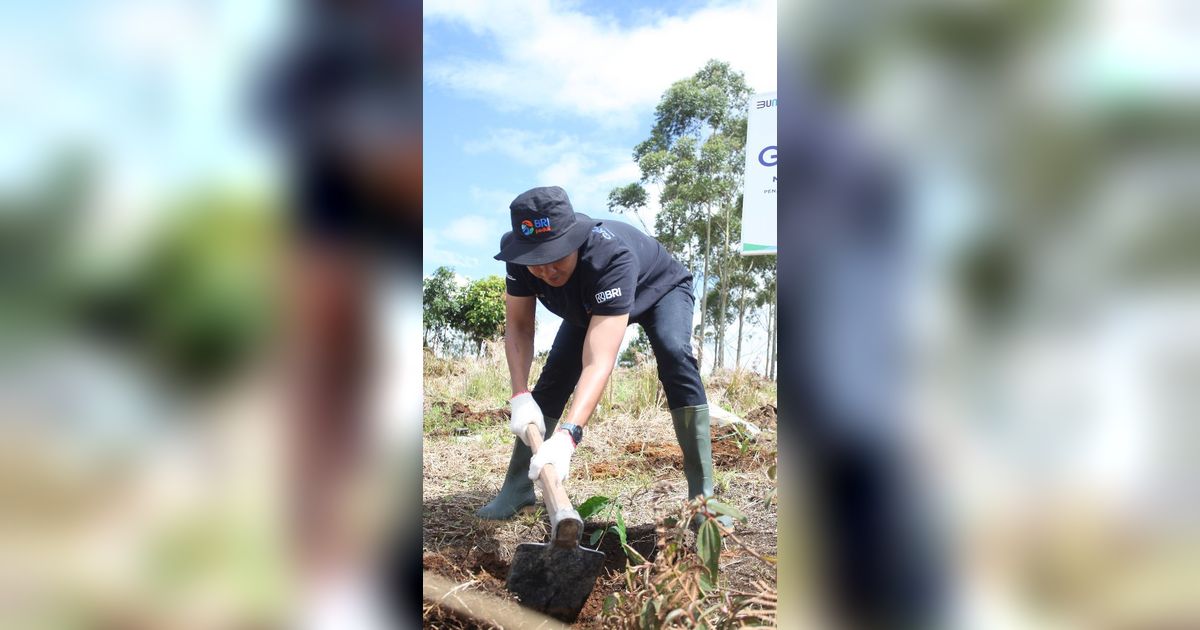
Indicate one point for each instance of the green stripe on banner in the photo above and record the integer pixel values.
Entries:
(752, 247)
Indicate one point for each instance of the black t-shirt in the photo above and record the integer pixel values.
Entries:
(620, 270)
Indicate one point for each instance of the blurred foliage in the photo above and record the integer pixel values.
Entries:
(1051, 146)
(38, 233)
(208, 289)
(194, 302)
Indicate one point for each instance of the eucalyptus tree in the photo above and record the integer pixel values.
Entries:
(695, 154)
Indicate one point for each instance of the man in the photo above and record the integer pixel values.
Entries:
(599, 277)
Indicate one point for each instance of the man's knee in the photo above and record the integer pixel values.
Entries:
(676, 353)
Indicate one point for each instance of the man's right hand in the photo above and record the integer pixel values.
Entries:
(525, 411)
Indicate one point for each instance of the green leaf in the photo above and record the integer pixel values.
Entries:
(621, 526)
(596, 536)
(610, 602)
(708, 546)
(706, 583)
(648, 620)
(633, 555)
(722, 508)
(771, 472)
(592, 505)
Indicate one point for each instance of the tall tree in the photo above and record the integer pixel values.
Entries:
(481, 311)
(629, 199)
(439, 299)
(694, 152)
(746, 282)
(767, 299)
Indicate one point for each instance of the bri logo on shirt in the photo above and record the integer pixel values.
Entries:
(605, 296)
(536, 226)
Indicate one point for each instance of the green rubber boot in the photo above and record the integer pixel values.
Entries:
(517, 491)
(692, 431)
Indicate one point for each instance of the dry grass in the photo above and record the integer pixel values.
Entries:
(462, 472)
(671, 591)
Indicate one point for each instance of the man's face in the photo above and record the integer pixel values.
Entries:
(558, 272)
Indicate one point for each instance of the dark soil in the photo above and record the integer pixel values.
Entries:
(641, 537)
(643, 540)
(490, 571)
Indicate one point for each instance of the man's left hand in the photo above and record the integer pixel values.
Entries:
(557, 451)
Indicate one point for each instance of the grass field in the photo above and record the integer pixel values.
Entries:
(630, 455)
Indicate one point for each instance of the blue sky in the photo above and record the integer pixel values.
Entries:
(524, 94)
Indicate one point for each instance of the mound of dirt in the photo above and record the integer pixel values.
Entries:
(461, 417)
(462, 413)
(764, 417)
(603, 470)
(727, 453)
(657, 455)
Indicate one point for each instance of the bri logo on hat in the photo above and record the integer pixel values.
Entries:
(536, 226)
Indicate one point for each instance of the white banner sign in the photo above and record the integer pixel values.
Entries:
(759, 193)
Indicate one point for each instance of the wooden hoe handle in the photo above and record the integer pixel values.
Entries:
(558, 504)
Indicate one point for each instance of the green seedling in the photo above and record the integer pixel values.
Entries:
(612, 508)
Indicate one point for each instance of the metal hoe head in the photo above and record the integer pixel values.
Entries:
(556, 577)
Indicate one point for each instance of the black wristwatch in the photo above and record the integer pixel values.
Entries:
(575, 431)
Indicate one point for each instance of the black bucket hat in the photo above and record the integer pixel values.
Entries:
(545, 227)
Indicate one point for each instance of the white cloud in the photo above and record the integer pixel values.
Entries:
(527, 147)
(553, 58)
(493, 201)
(472, 230)
(585, 170)
(435, 252)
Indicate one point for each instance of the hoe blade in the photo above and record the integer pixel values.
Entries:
(554, 580)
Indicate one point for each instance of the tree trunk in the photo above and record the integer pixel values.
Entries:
(704, 284)
(770, 340)
(774, 339)
(644, 226)
(741, 317)
(725, 260)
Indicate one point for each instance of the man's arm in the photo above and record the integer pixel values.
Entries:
(518, 339)
(600, 348)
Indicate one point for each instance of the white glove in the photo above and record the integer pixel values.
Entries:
(557, 451)
(525, 411)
